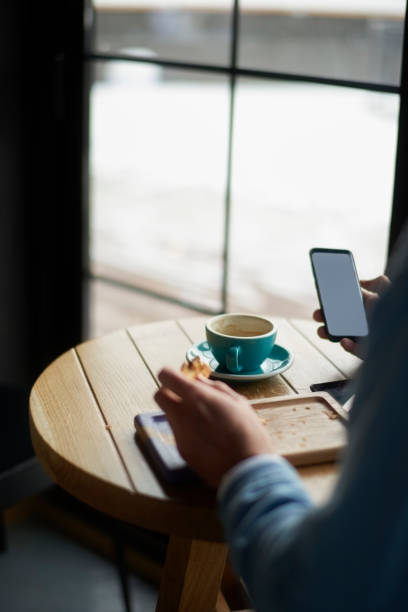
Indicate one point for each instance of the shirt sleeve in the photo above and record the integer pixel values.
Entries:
(352, 552)
(242, 467)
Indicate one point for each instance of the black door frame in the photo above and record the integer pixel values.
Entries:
(399, 211)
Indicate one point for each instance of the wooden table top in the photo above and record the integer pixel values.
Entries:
(83, 405)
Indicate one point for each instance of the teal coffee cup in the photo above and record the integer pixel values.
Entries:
(240, 342)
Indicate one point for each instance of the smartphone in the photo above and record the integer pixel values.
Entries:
(339, 293)
(156, 437)
(340, 390)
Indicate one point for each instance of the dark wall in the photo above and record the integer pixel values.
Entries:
(43, 190)
(13, 320)
(43, 227)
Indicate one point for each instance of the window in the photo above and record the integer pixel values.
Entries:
(227, 140)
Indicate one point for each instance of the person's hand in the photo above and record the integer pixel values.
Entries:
(372, 291)
(214, 427)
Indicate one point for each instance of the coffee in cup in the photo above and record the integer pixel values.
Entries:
(240, 342)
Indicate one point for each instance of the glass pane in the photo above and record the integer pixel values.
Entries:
(181, 31)
(347, 39)
(313, 167)
(158, 161)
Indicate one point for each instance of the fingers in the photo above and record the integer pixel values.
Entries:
(183, 386)
(167, 400)
(318, 316)
(366, 293)
(349, 345)
(366, 284)
(322, 333)
(220, 386)
(176, 381)
(355, 348)
(376, 285)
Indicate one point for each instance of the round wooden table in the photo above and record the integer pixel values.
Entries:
(82, 409)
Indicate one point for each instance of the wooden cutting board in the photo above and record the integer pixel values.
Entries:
(305, 429)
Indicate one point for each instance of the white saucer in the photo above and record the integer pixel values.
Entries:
(279, 360)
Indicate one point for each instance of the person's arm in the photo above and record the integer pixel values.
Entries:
(350, 554)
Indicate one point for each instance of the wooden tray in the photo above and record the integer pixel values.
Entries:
(305, 429)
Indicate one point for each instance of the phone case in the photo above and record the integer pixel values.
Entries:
(157, 439)
(340, 390)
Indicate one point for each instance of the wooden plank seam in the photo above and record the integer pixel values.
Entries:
(108, 429)
(184, 332)
(143, 358)
(316, 347)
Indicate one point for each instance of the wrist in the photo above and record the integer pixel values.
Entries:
(243, 466)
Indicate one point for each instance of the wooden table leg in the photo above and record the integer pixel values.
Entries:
(191, 576)
(233, 590)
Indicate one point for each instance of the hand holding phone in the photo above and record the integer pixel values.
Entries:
(339, 294)
(350, 346)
